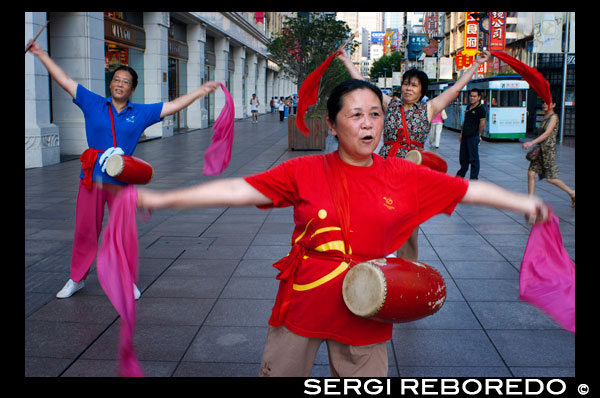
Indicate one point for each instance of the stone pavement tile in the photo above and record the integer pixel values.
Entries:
(212, 369)
(543, 371)
(454, 371)
(77, 309)
(256, 268)
(453, 315)
(187, 286)
(152, 267)
(172, 311)
(488, 289)
(58, 339)
(109, 368)
(463, 240)
(511, 315)
(468, 253)
(421, 347)
(251, 288)
(201, 267)
(236, 344)
(268, 253)
(535, 348)
(215, 252)
(150, 342)
(45, 367)
(482, 269)
(240, 312)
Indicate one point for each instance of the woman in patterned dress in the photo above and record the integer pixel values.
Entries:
(418, 115)
(545, 165)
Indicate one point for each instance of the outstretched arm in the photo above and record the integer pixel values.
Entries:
(354, 73)
(488, 194)
(179, 103)
(55, 71)
(440, 102)
(217, 193)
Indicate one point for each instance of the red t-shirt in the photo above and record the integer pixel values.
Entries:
(388, 200)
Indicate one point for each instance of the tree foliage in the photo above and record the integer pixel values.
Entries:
(305, 43)
(386, 64)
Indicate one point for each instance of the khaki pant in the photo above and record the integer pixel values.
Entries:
(410, 248)
(290, 355)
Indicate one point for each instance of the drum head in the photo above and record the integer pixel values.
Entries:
(114, 165)
(414, 156)
(364, 289)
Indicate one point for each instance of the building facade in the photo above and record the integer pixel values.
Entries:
(173, 54)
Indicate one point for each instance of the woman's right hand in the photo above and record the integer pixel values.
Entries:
(342, 55)
(35, 48)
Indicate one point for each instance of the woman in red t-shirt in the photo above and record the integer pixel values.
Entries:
(374, 218)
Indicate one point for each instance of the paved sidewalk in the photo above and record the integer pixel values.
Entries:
(208, 285)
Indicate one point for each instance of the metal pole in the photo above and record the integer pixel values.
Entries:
(564, 82)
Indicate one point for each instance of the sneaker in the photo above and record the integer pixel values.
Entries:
(136, 292)
(70, 288)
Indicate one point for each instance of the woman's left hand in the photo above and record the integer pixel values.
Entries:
(483, 57)
(211, 86)
(538, 212)
(527, 145)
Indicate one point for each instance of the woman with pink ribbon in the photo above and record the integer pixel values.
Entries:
(331, 235)
(96, 187)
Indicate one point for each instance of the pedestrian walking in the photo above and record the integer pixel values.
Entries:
(272, 104)
(281, 109)
(309, 308)
(96, 187)
(545, 163)
(437, 125)
(254, 103)
(400, 137)
(470, 135)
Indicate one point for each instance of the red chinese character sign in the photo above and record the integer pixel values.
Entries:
(497, 31)
(463, 60)
(471, 30)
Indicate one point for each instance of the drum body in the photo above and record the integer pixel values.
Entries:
(427, 159)
(129, 169)
(393, 290)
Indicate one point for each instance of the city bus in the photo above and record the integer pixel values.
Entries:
(505, 101)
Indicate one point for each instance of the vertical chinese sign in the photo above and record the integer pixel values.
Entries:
(471, 30)
(497, 31)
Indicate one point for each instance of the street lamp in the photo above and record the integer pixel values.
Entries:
(481, 18)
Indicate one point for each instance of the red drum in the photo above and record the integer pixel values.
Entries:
(393, 290)
(129, 169)
(428, 159)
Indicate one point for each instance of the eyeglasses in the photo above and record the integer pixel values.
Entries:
(124, 81)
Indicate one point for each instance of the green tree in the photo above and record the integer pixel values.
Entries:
(305, 43)
(386, 64)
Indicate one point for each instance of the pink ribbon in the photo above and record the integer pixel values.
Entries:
(117, 266)
(547, 276)
(218, 154)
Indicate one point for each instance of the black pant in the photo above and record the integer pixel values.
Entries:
(281, 115)
(469, 155)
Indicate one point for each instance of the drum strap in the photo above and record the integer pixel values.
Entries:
(112, 124)
(403, 140)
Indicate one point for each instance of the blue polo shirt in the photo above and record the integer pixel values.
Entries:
(130, 123)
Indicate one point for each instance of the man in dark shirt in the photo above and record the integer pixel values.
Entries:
(470, 135)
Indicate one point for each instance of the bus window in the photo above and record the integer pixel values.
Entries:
(508, 98)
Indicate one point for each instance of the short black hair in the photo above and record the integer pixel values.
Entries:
(475, 90)
(132, 72)
(334, 102)
(419, 74)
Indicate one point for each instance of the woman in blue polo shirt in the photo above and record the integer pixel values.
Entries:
(96, 187)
